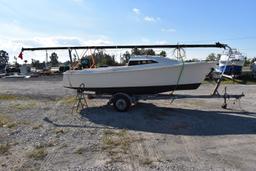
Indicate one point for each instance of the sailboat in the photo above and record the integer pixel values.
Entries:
(142, 75)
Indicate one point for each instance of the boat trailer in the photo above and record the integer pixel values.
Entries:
(122, 101)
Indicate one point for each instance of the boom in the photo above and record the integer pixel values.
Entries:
(216, 45)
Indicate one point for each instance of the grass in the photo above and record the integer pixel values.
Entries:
(112, 139)
(80, 150)
(25, 122)
(4, 148)
(69, 100)
(4, 120)
(59, 131)
(37, 126)
(117, 145)
(38, 153)
(115, 142)
(7, 122)
(23, 106)
(64, 146)
(12, 125)
(146, 161)
(8, 97)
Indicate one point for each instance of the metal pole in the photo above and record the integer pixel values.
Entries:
(46, 60)
(70, 57)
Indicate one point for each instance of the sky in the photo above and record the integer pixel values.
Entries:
(30, 23)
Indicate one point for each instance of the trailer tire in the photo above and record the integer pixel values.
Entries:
(121, 102)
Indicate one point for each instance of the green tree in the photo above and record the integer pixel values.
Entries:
(149, 52)
(136, 51)
(142, 51)
(162, 53)
(54, 59)
(212, 57)
(103, 59)
(4, 58)
(247, 62)
(192, 60)
(126, 57)
(35, 63)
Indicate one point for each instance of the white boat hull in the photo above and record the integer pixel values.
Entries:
(138, 80)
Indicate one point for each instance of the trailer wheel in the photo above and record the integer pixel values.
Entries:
(121, 102)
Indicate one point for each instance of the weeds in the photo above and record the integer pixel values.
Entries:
(70, 100)
(59, 131)
(8, 97)
(4, 120)
(80, 150)
(37, 126)
(117, 144)
(39, 153)
(11, 125)
(23, 106)
(146, 161)
(119, 139)
(4, 148)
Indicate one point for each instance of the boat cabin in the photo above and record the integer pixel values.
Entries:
(143, 60)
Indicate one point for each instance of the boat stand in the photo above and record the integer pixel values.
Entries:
(228, 96)
(80, 101)
(225, 96)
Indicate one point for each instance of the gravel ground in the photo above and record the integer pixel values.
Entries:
(39, 131)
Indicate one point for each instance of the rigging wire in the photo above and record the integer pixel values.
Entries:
(77, 55)
(83, 53)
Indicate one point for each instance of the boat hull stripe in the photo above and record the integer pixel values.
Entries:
(141, 90)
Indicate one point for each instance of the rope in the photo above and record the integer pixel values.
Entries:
(179, 53)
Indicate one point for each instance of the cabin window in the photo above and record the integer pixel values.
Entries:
(141, 62)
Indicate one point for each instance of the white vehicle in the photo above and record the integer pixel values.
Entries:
(142, 75)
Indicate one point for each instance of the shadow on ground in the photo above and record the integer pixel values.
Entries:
(150, 118)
